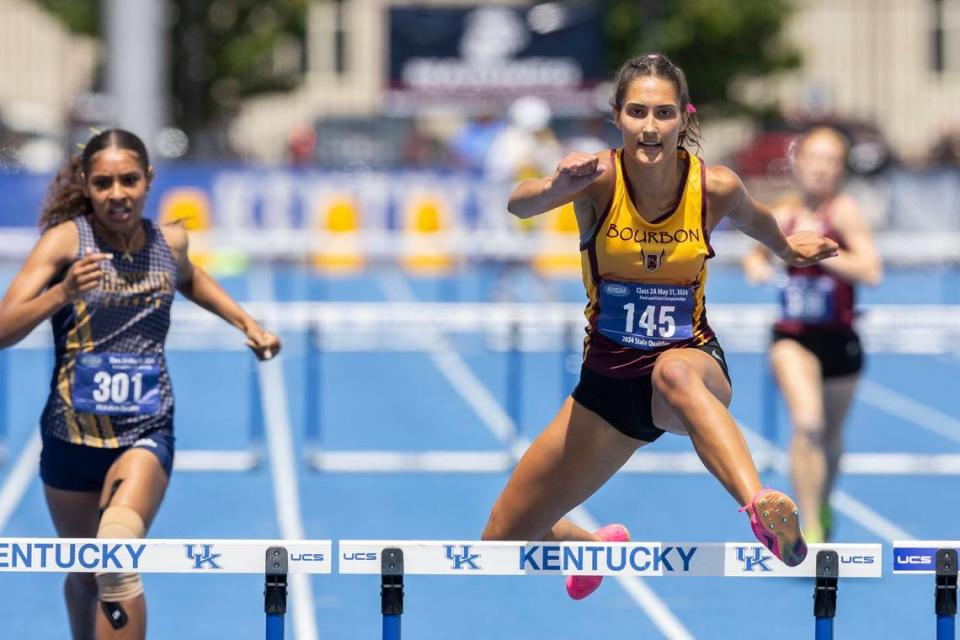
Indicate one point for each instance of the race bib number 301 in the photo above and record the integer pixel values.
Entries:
(645, 316)
(116, 384)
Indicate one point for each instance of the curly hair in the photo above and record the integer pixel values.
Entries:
(65, 198)
(659, 66)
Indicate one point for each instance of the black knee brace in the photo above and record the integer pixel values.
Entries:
(115, 613)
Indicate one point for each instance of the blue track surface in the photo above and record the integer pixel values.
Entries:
(402, 401)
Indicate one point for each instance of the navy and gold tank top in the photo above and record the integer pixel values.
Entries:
(645, 280)
(110, 384)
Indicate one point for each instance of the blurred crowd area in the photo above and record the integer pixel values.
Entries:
(328, 105)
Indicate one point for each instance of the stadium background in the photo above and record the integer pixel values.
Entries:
(344, 164)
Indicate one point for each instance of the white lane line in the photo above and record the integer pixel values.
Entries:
(286, 494)
(840, 500)
(909, 409)
(638, 590)
(21, 475)
(867, 517)
(496, 419)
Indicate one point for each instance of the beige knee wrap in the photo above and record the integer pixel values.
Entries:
(120, 522)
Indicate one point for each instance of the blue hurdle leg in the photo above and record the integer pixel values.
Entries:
(514, 379)
(946, 629)
(275, 591)
(769, 397)
(824, 629)
(255, 407)
(391, 627)
(391, 591)
(312, 384)
(825, 593)
(275, 626)
(945, 605)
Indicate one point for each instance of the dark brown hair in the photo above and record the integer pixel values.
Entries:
(65, 198)
(659, 66)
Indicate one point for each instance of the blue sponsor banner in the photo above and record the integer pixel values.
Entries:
(916, 559)
(238, 197)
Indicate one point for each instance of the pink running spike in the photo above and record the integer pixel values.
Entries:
(579, 587)
(775, 521)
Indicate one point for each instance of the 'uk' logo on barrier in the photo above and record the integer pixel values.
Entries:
(205, 558)
(758, 559)
(461, 560)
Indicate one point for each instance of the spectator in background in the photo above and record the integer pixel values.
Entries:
(946, 150)
(816, 354)
(422, 148)
(470, 146)
(589, 138)
(526, 147)
(302, 145)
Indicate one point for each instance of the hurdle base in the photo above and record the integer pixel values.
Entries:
(217, 460)
(411, 462)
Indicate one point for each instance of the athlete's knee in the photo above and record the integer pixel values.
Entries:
(809, 434)
(673, 377)
(115, 588)
(80, 585)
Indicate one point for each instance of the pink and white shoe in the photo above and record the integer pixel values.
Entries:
(579, 587)
(775, 521)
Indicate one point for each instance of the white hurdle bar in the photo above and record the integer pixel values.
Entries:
(207, 557)
(428, 557)
(646, 559)
(642, 462)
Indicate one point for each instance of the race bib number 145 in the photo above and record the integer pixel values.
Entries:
(645, 316)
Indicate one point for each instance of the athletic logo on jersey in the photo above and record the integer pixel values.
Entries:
(652, 261)
(758, 559)
(205, 558)
(461, 560)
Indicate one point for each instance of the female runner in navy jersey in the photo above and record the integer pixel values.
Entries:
(816, 354)
(651, 362)
(105, 277)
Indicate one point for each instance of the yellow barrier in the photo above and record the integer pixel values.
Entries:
(558, 255)
(426, 218)
(339, 217)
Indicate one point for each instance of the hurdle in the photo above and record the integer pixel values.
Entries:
(274, 559)
(938, 557)
(513, 330)
(394, 559)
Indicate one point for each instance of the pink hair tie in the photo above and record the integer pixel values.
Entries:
(691, 108)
